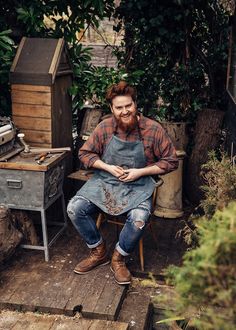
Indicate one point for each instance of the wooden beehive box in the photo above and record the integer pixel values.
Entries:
(41, 105)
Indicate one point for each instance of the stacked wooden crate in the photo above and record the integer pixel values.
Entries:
(40, 77)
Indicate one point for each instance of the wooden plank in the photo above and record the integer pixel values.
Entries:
(31, 88)
(31, 123)
(32, 321)
(7, 320)
(13, 285)
(42, 300)
(10, 287)
(71, 285)
(98, 284)
(31, 97)
(107, 325)
(29, 164)
(82, 175)
(138, 304)
(32, 110)
(67, 285)
(71, 324)
(56, 59)
(39, 323)
(53, 287)
(41, 145)
(37, 136)
(18, 52)
(61, 112)
(24, 298)
(109, 302)
(80, 286)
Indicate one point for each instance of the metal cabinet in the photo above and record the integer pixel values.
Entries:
(26, 185)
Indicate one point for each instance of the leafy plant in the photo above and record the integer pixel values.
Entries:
(98, 79)
(181, 49)
(220, 183)
(205, 283)
(58, 19)
(7, 52)
(219, 174)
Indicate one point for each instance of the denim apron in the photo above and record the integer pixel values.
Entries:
(109, 193)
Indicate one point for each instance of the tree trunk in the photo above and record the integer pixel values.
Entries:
(207, 135)
(10, 237)
(25, 225)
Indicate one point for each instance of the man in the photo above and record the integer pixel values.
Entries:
(124, 151)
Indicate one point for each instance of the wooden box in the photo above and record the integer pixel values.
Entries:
(41, 105)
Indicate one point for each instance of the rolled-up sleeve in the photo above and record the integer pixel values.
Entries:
(165, 152)
(91, 150)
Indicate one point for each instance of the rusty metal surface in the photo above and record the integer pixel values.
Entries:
(31, 189)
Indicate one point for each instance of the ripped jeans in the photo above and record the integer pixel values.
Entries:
(80, 211)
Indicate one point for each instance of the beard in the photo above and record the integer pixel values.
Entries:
(127, 126)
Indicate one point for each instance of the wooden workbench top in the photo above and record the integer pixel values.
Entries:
(28, 162)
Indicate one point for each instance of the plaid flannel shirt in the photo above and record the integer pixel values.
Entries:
(158, 148)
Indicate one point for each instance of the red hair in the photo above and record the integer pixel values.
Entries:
(120, 89)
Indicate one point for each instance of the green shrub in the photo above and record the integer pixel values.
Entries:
(220, 183)
(219, 189)
(205, 285)
(7, 52)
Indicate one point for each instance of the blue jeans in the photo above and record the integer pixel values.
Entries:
(80, 211)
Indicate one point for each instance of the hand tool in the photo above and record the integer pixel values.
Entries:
(41, 158)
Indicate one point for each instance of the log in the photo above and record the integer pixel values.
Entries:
(207, 136)
(25, 225)
(10, 237)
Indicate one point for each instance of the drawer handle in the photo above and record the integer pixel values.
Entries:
(14, 184)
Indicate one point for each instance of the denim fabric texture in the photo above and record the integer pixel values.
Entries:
(81, 212)
(109, 193)
(106, 192)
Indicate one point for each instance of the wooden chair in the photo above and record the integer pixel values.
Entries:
(84, 175)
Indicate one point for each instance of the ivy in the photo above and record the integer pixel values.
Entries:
(181, 48)
(27, 18)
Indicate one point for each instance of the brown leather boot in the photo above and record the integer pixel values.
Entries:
(97, 257)
(118, 267)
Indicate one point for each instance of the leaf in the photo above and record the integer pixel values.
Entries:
(171, 319)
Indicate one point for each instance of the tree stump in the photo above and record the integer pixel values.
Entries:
(25, 225)
(207, 136)
(10, 237)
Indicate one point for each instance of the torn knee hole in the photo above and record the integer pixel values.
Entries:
(70, 213)
(139, 223)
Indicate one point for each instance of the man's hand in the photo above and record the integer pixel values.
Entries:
(131, 174)
(127, 175)
(115, 170)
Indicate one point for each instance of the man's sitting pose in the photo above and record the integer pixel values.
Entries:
(125, 151)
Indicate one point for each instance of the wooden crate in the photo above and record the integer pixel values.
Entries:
(41, 105)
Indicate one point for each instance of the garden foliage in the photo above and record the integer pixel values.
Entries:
(205, 285)
(174, 52)
(179, 48)
(7, 51)
(219, 174)
(67, 19)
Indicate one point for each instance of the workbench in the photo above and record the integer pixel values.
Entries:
(26, 185)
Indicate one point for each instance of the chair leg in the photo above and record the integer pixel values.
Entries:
(99, 220)
(141, 257)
